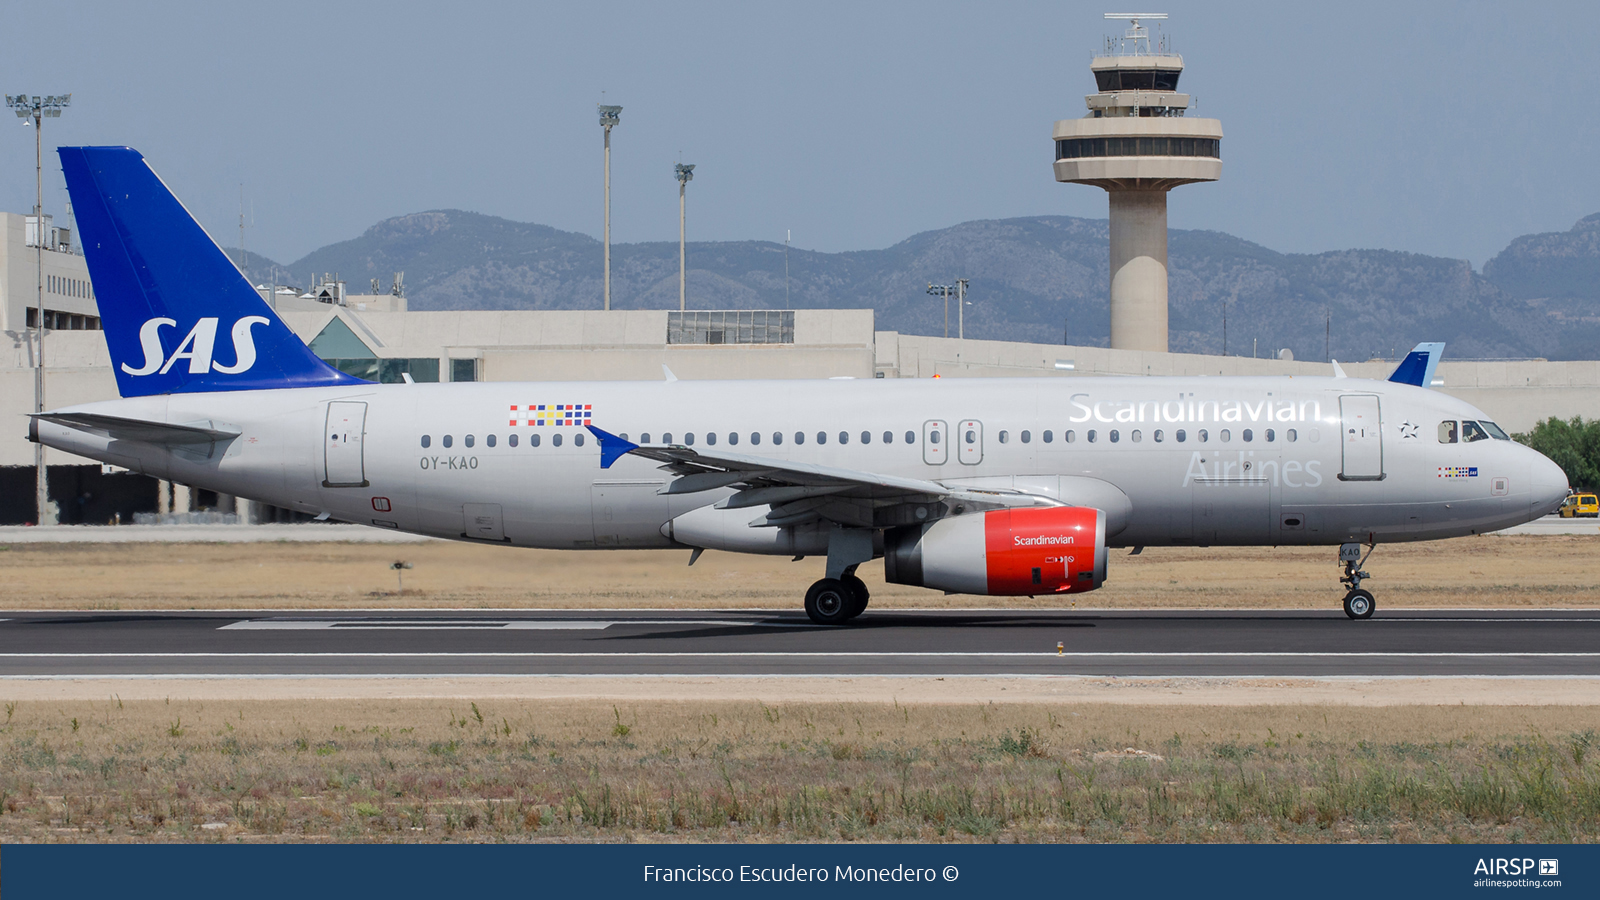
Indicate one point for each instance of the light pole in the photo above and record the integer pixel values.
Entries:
(609, 117)
(38, 109)
(944, 290)
(961, 309)
(685, 174)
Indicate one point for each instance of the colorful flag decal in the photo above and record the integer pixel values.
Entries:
(539, 415)
(1458, 471)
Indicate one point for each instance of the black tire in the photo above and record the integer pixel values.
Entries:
(859, 595)
(1359, 604)
(829, 601)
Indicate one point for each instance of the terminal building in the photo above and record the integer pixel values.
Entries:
(1136, 142)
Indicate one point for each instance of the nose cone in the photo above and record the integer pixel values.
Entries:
(1549, 485)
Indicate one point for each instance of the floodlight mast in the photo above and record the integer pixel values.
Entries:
(961, 309)
(943, 290)
(685, 174)
(38, 109)
(609, 117)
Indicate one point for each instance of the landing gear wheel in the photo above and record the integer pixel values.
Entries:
(1358, 604)
(859, 595)
(829, 601)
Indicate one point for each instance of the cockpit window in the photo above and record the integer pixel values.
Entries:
(1472, 431)
(1447, 432)
(1495, 431)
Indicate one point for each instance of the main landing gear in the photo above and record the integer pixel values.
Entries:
(835, 601)
(1358, 603)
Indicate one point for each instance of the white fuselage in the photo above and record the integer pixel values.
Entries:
(1201, 461)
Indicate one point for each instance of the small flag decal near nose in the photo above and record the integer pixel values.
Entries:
(538, 415)
(1458, 471)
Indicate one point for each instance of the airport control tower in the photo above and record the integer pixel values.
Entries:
(1136, 142)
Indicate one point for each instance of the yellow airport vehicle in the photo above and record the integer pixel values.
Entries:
(1581, 506)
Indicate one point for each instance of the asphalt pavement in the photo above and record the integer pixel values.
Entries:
(899, 642)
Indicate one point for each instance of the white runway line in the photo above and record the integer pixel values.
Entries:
(1001, 654)
(483, 624)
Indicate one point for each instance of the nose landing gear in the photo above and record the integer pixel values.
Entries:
(1358, 603)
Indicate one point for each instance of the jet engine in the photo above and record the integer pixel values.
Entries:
(1035, 550)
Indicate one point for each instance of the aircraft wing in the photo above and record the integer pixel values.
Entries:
(121, 429)
(800, 492)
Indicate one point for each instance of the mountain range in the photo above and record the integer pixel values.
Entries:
(1038, 279)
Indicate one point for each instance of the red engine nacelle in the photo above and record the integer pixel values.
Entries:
(1036, 550)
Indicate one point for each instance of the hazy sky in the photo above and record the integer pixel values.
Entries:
(1441, 128)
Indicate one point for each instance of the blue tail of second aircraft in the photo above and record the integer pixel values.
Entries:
(178, 315)
(1419, 365)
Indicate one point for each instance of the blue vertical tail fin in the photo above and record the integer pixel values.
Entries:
(178, 315)
(1418, 366)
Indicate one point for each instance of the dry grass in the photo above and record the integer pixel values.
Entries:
(1498, 571)
(505, 770)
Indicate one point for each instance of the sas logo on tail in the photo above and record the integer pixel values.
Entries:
(197, 347)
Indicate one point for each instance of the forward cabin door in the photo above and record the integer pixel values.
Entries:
(1361, 424)
(343, 464)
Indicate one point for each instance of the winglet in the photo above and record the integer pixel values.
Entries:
(1338, 371)
(668, 373)
(1418, 367)
(611, 447)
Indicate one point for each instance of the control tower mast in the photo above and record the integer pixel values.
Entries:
(1136, 142)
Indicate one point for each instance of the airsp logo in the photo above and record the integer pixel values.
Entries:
(196, 347)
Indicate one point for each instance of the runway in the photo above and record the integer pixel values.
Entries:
(901, 642)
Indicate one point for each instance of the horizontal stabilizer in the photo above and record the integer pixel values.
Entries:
(120, 429)
(1418, 366)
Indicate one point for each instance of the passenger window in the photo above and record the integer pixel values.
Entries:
(1115, 435)
(1005, 437)
(1137, 436)
(1314, 435)
(844, 437)
(555, 440)
(666, 438)
(1070, 436)
(888, 437)
(755, 437)
(711, 438)
(623, 435)
(426, 440)
(1182, 435)
(1291, 435)
(688, 439)
(972, 437)
(733, 437)
(533, 440)
(1249, 435)
(469, 440)
(777, 437)
(1091, 435)
(1027, 437)
(489, 440)
(512, 439)
(1204, 435)
(1472, 431)
(1048, 437)
(1159, 436)
(1271, 435)
(448, 441)
(822, 437)
(1225, 435)
(933, 437)
(911, 437)
(578, 439)
(866, 437)
(799, 437)
(643, 438)
(1447, 432)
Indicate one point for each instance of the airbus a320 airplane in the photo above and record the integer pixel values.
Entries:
(979, 486)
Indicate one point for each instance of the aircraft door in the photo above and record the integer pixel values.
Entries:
(934, 443)
(969, 438)
(482, 521)
(343, 464)
(1361, 423)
